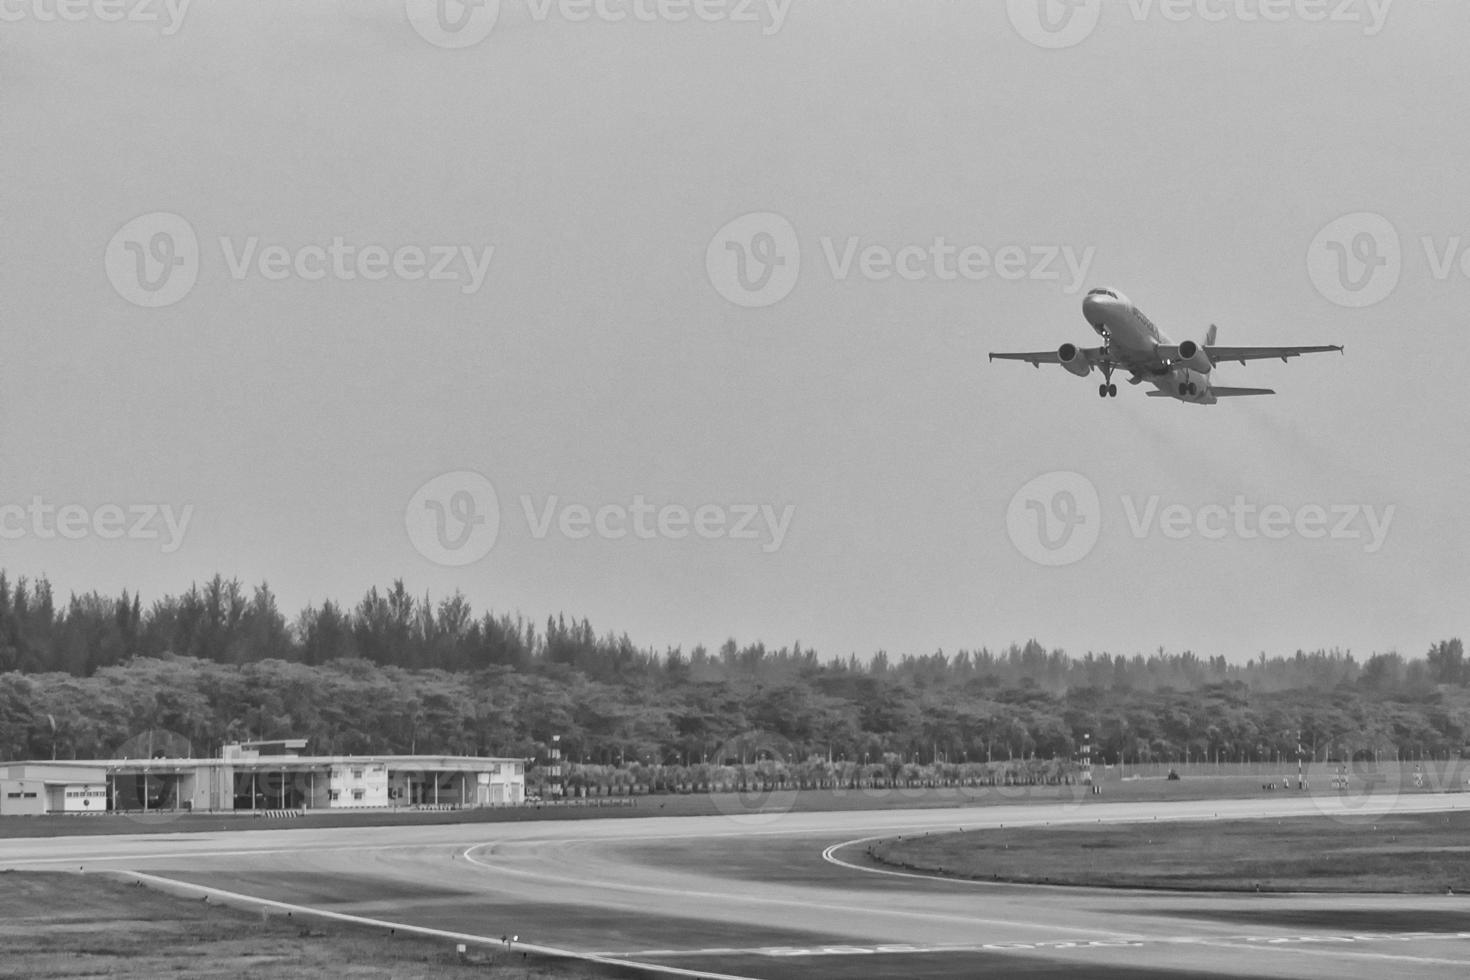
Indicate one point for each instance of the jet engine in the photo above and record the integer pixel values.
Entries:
(1074, 360)
(1193, 356)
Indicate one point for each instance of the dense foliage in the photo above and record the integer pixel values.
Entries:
(398, 673)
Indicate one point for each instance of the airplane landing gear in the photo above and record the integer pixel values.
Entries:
(1107, 389)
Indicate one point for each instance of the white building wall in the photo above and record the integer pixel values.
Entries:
(357, 784)
(22, 797)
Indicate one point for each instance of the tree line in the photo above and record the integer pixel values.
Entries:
(400, 673)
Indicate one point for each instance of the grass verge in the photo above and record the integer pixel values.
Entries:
(1411, 853)
(63, 925)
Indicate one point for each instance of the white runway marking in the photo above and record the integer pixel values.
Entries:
(534, 861)
(240, 899)
(1264, 942)
(799, 903)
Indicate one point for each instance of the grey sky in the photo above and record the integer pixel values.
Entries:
(1192, 162)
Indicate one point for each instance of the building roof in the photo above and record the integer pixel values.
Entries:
(95, 768)
(54, 773)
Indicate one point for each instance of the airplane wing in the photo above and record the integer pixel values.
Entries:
(1239, 392)
(1220, 392)
(1094, 356)
(1218, 355)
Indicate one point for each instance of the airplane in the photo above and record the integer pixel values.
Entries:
(1133, 344)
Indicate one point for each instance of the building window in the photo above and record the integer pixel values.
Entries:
(357, 774)
(12, 796)
(357, 794)
(334, 795)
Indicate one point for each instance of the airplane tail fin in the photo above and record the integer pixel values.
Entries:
(1240, 392)
(1210, 335)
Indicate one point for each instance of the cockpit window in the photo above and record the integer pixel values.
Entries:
(1102, 292)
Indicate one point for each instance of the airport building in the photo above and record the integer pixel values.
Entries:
(261, 776)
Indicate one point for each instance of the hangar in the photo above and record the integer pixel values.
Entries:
(261, 776)
(50, 787)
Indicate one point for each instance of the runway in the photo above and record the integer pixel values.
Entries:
(776, 896)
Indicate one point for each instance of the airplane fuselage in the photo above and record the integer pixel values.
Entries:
(1134, 342)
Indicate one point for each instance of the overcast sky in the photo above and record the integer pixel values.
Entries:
(559, 315)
